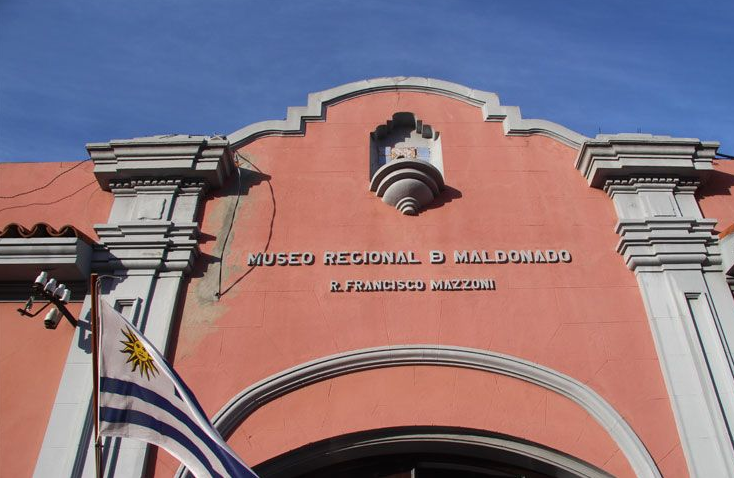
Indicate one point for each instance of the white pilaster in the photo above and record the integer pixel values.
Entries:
(676, 258)
(149, 244)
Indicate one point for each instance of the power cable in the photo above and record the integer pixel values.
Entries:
(229, 230)
(267, 243)
(50, 202)
(48, 183)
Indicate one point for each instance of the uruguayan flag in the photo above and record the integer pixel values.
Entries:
(142, 397)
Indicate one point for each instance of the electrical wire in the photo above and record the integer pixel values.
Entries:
(48, 183)
(229, 230)
(724, 155)
(50, 202)
(270, 233)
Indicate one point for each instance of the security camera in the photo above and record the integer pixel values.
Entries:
(41, 279)
(28, 304)
(52, 319)
(50, 286)
(59, 292)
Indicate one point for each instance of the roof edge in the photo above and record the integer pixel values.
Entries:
(492, 110)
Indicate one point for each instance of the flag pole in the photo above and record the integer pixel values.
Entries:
(93, 286)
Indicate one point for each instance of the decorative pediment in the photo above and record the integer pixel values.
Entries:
(488, 106)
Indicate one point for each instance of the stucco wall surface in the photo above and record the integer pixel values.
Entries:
(55, 193)
(432, 396)
(584, 319)
(31, 357)
(31, 362)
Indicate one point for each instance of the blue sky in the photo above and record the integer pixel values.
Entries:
(83, 71)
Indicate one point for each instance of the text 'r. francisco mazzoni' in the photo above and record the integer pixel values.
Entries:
(409, 285)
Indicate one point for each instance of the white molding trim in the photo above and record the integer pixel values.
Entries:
(297, 117)
(252, 398)
(21, 259)
(160, 160)
(623, 155)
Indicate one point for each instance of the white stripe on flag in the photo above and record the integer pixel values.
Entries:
(127, 402)
(142, 397)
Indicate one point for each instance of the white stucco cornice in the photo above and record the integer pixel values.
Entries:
(628, 154)
(206, 158)
(315, 110)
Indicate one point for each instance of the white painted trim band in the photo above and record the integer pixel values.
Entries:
(249, 400)
(297, 117)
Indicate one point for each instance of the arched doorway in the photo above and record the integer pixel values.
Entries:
(250, 400)
(425, 452)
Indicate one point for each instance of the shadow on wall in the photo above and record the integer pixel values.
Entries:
(236, 187)
(246, 178)
(446, 196)
(718, 183)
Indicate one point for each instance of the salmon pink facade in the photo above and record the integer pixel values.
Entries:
(402, 278)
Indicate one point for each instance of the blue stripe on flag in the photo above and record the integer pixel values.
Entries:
(114, 415)
(124, 388)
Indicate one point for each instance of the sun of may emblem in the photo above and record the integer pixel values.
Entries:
(139, 357)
